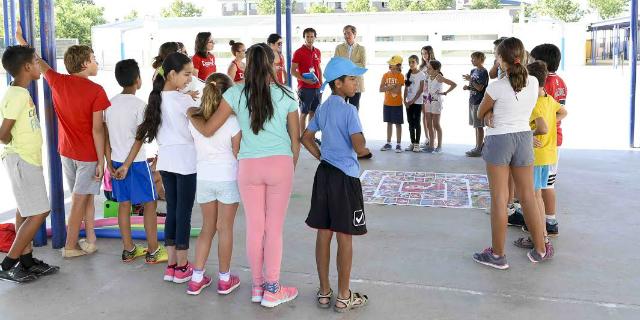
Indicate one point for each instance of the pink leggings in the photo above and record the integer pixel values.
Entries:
(265, 186)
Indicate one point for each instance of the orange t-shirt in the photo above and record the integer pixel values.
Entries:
(393, 99)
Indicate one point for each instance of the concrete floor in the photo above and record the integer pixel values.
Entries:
(415, 263)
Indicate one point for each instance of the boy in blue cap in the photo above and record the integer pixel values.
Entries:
(336, 202)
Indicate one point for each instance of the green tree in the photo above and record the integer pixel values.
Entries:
(179, 8)
(133, 15)
(266, 7)
(563, 10)
(609, 8)
(416, 5)
(74, 19)
(360, 6)
(399, 5)
(485, 4)
(320, 8)
(439, 4)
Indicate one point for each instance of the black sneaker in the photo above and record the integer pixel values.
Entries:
(41, 268)
(516, 219)
(552, 229)
(17, 275)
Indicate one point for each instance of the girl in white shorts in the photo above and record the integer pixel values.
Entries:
(433, 104)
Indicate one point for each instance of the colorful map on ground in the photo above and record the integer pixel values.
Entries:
(426, 189)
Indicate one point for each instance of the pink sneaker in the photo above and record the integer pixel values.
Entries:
(194, 288)
(182, 276)
(225, 287)
(256, 293)
(285, 294)
(169, 273)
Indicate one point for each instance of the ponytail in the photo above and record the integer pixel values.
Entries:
(215, 86)
(512, 53)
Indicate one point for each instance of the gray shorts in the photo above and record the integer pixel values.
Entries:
(80, 176)
(512, 149)
(27, 182)
(473, 116)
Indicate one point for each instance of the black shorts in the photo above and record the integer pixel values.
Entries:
(393, 114)
(336, 202)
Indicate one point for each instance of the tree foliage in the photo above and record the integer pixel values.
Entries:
(485, 4)
(267, 7)
(360, 6)
(74, 19)
(609, 8)
(439, 4)
(320, 8)
(179, 8)
(563, 10)
(133, 15)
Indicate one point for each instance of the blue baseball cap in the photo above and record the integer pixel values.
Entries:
(338, 67)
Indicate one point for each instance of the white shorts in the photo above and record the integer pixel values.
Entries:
(433, 107)
(553, 171)
(223, 191)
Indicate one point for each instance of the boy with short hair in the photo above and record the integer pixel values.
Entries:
(391, 85)
(22, 157)
(478, 80)
(305, 66)
(555, 87)
(79, 105)
(337, 203)
(543, 117)
(132, 181)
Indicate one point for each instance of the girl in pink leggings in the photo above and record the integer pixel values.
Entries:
(268, 116)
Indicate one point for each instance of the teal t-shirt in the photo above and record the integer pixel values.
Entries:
(274, 138)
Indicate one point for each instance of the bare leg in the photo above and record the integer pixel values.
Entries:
(226, 218)
(303, 122)
(425, 123)
(512, 189)
(437, 128)
(173, 255)
(151, 225)
(430, 131)
(26, 229)
(124, 222)
(389, 131)
(182, 257)
(523, 178)
(540, 205)
(549, 197)
(498, 183)
(479, 138)
(89, 221)
(78, 210)
(323, 258)
(398, 133)
(203, 244)
(345, 255)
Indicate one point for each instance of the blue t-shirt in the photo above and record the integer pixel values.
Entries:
(273, 139)
(481, 77)
(338, 120)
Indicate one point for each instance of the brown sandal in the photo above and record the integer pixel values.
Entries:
(325, 296)
(355, 300)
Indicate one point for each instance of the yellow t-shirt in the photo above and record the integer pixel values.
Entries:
(26, 134)
(546, 108)
(393, 99)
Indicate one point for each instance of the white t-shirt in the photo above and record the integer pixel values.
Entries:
(176, 150)
(511, 111)
(433, 88)
(122, 119)
(216, 161)
(415, 79)
(196, 85)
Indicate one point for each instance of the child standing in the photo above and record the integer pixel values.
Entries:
(413, 99)
(545, 152)
(427, 55)
(237, 66)
(204, 63)
(391, 85)
(478, 80)
(132, 181)
(268, 117)
(508, 148)
(434, 103)
(79, 106)
(217, 189)
(337, 203)
(22, 157)
(165, 119)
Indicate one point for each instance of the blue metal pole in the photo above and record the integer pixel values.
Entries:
(56, 193)
(593, 46)
(633, 60)
(289, 44)
(7, 38)
(27, 22)
(279, 17)
(12, 23)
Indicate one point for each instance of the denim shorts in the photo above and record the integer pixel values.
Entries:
(223, 191)
(512, 149)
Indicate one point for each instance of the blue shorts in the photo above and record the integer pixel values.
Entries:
(540, 177)
(223, 191)
(309, 99)
(137, 187)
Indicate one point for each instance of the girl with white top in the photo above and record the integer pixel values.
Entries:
(508, 148)
(427, 55)
(434, 103)
(217, 188)
(165, 119)
(413, 93)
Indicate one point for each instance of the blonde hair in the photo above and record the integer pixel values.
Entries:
(215, 86)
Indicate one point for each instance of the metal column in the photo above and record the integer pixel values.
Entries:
(279, 17)
(288, 39)
(633, 60)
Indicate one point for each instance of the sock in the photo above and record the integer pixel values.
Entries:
(272, 287)
(26, 260)
(551, 219)
(224, 276)
(9, 263)
(198, 275)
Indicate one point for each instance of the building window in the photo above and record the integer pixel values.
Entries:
(405, 38)
(468, 37)
(338, 5)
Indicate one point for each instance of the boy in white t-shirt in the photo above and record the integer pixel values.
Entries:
(132, 180)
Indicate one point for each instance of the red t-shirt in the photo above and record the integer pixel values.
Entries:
(554, 86)
(239, 76)
(75, 99)
(308, 59)
(280, 71)
(205, 66)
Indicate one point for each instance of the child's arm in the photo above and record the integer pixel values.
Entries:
(359, 144)
(293, 127)
(5, 130)
(107, 150)
(452, 85)
(561, 114)
(308, 141)
(493, 73)
(476, 85)
(98, 141)
(44, 66)
(214, 123)
(383, 85)
(486, 107)
(121, 173)
(541, 127)
(235, 144)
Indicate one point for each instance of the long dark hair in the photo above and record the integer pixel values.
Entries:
(166, 49)
(407, 80)
(512, 53)
(432, 56)
(257, 91)
(202, 39)
(148, 129)
(273, 38)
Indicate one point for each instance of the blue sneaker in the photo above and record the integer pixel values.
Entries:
(487, 258)
(386, 147)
